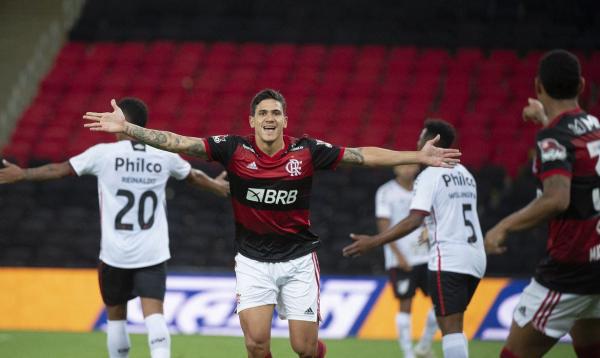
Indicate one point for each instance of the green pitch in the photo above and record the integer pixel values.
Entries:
(92, 345)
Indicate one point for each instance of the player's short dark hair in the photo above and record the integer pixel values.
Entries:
(267, 93)
(447, 133)
(560, 73)
(135, 110)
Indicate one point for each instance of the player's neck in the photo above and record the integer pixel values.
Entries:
(270, 148)
(557, 107)
(406, 184)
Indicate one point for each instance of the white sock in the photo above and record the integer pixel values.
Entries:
(117, 339)
(404, 333)
(159, 339)
(429, 331)
(455, 346)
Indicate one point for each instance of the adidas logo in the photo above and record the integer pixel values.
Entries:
(309, 311)
(252, 166)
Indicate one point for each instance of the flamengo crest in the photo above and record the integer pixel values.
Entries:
(293, 167)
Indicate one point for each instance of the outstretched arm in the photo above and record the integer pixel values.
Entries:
(554, 200)
(364, 243)
(114, 122)
(379, 157)
(13, 173)
(218, 185)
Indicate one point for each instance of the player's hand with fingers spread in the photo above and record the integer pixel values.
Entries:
(438, 157)
(534, 112)
(11, 173)
(494, 240)
(110, 122)
(361, 244)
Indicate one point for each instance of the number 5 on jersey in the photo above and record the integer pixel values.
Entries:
(143, 223)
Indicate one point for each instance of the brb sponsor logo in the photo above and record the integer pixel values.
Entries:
(206, 305)
(272, 196)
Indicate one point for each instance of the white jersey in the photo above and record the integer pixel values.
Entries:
(450, 197)
(131, 193)
(392, 202)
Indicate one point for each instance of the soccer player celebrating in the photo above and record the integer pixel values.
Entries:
(135, 240)
(406, 259)
(271, 180)
(564, 294)
(446, 200)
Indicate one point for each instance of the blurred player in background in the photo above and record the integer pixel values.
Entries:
(564, 294)
(135, 239)
(446, 199)
(271, 180)
(406, 259)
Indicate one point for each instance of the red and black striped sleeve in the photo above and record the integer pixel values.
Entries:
(324, 155)
(220, 148)
(555, 153)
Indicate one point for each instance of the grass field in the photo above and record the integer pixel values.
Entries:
(92, 345)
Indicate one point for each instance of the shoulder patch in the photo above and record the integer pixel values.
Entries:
(320, 142)
(551, 149)
(219, 138)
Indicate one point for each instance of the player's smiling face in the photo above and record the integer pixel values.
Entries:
(268, 121)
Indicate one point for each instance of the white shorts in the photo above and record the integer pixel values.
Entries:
(293, 286)
(551, 312)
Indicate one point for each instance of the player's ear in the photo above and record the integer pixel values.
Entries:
(251, 120)
(285, 121)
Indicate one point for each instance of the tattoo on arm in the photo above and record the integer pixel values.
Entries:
(167, 140)
(353, 156)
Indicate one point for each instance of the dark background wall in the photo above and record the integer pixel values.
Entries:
(486, 24)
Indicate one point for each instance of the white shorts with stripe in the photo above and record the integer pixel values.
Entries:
(554, 313)
(293, 286)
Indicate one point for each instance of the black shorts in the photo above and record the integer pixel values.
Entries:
(118, 285)
(405, 283)
(451, 292)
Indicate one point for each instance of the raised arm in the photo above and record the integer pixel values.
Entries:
(364, 243)
(379, 157)
(114, 122)
(12, 173)
(218, 185)
(554, 200)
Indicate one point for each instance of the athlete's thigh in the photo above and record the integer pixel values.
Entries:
(150, 282)
(256, 323)
(116, 284)
(303, 335)
(421, 278)
(528, 342)
(586, 331)
(299, 292)
(255, 283)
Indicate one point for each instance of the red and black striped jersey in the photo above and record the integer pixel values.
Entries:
(570, 146)
(271, 194)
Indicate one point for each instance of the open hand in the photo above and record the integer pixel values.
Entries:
(439, 157)
(109, 122)
(11, 173)
(362, 244)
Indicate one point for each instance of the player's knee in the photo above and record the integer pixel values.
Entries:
(257, 345)
(587, 351)
(306, 348)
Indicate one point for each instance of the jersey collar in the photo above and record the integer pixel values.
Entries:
(286, 144)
